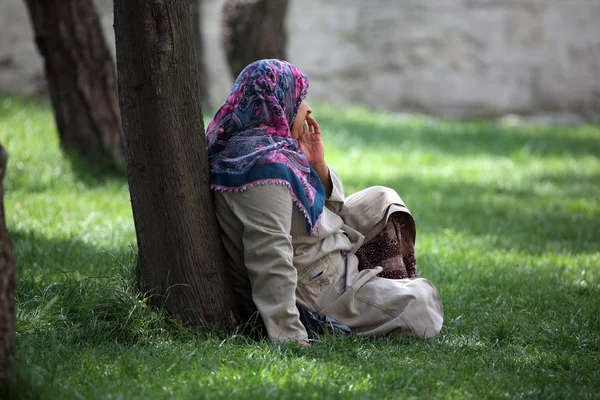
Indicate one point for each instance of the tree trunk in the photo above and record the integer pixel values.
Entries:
(81, 77)
(253, 30)
(180, 253)
(7, 293)
(202, 76)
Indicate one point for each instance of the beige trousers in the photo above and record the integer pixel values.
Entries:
(374, 306)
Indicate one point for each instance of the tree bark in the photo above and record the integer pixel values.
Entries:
(202, 76)
(7, 293)
(81, 77)
(253, 30)
(180, 253)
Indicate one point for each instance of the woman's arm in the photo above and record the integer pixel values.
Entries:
(323, 171)
(335, 200)
(266, 214)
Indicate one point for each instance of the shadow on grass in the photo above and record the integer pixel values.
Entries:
(35, 252)
(470, 138)
(503, 312)
(520, 219)
(529, 215)
(21, 386)
(91, 171)
(94, 171)
(91, 175)
(512, 305)
(86, 293)
(61, 271)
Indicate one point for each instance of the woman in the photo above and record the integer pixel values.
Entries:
(292, 237)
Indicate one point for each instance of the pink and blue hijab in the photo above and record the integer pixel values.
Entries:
(249, 139)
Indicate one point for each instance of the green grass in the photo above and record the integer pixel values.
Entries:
(508, 229)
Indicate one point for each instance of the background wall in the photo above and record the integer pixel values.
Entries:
(445, 57)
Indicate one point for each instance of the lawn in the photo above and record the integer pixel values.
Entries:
(508, 223)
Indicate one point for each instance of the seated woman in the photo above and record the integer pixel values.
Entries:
(292, 237)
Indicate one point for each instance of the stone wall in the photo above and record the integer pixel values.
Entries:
(445, 57)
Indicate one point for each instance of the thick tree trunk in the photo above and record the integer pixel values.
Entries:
(253, 30)
(202, 76)
(7, 293)
(81, 77)
(180, 252)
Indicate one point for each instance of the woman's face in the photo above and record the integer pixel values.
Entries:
(300, 124)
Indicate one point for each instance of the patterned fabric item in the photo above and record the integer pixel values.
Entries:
(249, 139)
(393, 249)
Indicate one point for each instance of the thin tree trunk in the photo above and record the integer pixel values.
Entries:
(180, 253)
(202, 76)
(253, 30)
(7, 293)
(81, 77)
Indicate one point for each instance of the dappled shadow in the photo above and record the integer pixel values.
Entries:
(25, 181)
(502, 309)
(519, 219)
(39, 258)
(87, 292)
(511, 215)
(20, 386)
(95, 171)
(533, 213)
(92, 171)
(468, 138)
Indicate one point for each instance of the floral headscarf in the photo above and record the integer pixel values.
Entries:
(249, 139)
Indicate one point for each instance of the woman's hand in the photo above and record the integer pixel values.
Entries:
(309, 142)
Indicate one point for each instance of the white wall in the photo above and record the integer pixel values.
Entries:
(449, 57)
